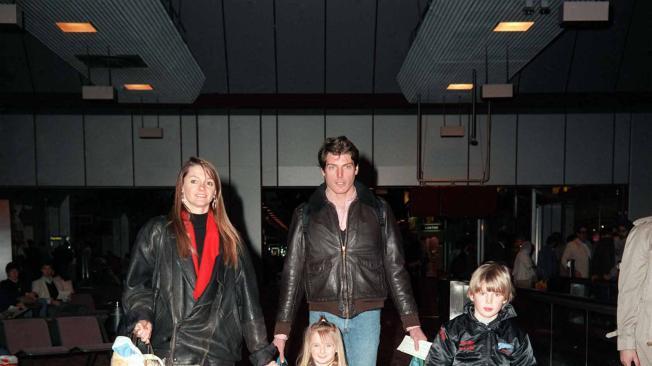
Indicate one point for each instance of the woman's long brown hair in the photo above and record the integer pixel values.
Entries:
(230, 239)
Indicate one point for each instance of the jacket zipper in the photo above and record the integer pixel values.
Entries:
(347, 298)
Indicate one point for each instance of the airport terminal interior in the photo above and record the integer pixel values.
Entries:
(504, 131)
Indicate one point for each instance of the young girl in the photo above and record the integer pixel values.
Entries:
(322, 345)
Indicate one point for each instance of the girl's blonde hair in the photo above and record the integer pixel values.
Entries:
(495, 277)
(325, 329)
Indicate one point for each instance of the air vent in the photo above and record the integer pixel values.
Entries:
(113, 62)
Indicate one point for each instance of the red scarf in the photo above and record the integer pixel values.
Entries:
(210, 252)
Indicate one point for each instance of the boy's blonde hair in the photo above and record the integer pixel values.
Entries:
(325, 329)
(495, 277)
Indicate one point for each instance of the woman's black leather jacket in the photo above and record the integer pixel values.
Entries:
(159, 288)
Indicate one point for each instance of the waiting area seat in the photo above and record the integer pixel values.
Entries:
(30, 338)
(65, 336)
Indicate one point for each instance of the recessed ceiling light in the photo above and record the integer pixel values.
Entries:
(76, 27)
(513, 26)
(138, 87)
(459, 87)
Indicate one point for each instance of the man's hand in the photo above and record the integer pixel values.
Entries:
(417, 335)
(280, 345)
(143, 330)
(627, 356)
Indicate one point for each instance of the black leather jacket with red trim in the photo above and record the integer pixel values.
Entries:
(159, 288)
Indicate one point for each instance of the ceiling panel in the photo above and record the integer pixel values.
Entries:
(250, 46)
(636, 70)
(202, 21)
(300, 46)
(456, 37)
(548, 72)
(350, 45)
(597, 55)
(397, 25)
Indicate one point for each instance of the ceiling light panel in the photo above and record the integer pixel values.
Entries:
(141, 28)
(513, 26)
(76, 27)
(452, 39)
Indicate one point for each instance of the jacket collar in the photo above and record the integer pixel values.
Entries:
(318, 199)
(505, 313)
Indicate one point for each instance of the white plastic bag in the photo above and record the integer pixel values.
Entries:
(125, 353)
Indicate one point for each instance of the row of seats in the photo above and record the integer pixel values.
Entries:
(33, 337)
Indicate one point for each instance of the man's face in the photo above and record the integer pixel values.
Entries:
(47, 271)
(13, 275)
(339, 173)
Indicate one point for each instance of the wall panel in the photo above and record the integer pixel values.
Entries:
(299, 140)
(589, 148)
(60, 150)
(214, 142)
(109, 159)
(395, 149)
(503, 150)
(640, 180)
(188, 136)
(621, 148)
(269, 150)
(17, 160)
(157, 161)
(244, 205)
(540, 154)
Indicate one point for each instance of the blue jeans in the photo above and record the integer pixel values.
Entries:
(361, 335)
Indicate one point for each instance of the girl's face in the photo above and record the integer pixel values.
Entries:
(322, 350)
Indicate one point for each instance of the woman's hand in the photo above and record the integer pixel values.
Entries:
(273, 363)
(143, 330)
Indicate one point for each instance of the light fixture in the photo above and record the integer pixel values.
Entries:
(459, 86)
(513, 26)
(10, 16)
(585, 11)
(67, 27)
(138, 87)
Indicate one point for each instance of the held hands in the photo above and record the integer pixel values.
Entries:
(280, 345)
(143, 330)
(417, 335)
(627, 356)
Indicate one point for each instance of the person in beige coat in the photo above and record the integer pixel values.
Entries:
(635, 296)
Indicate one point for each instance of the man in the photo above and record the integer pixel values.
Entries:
(345, 250)
(635, 296)
(52, 290)
(13, 292)
(579, 251)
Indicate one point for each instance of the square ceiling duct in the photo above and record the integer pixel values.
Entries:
(456, 37)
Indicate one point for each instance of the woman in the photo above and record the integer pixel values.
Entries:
(191, 290)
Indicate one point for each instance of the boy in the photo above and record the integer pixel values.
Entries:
(487, 333)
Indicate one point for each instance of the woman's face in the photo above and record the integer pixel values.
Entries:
(198, 190)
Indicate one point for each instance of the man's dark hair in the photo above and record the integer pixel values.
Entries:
(337, 146)
(10, 266)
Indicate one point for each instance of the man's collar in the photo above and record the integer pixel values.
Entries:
(331, 196)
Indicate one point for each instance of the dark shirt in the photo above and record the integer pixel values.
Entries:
(52, 289)
(10, 292)
(199, 226)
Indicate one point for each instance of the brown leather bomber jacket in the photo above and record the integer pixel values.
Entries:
(344, 274)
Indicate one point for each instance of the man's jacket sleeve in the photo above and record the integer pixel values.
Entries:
(291, 291)
(397, 277)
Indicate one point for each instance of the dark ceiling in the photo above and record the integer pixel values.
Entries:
(344, 47)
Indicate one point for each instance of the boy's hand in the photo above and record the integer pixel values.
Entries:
(417, 335)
